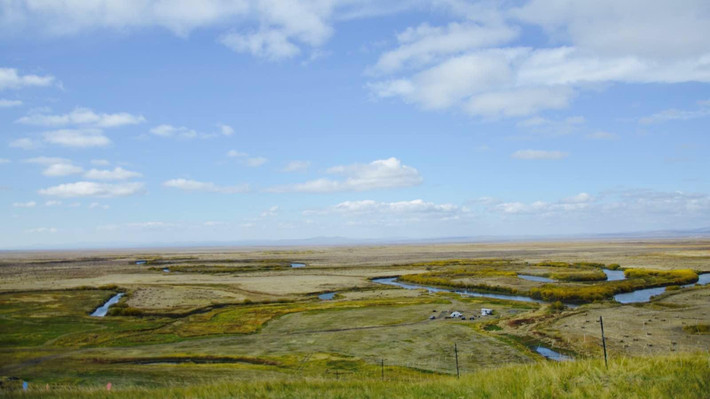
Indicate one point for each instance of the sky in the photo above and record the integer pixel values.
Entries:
(139, 121)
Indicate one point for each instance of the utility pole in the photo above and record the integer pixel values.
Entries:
(601, 323)
(382, 368)
(456, 353)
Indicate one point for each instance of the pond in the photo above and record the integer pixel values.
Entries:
(536, 278)
(326, 296)
(103, 309)
(298, 265)
(614, 275)
(393, 281)
(552, 355)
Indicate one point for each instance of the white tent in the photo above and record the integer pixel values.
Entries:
(456, 314)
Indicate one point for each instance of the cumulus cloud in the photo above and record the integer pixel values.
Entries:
(11, 79)
(77, 138)
(384, 173)
(117, 173)
(62, 169)
(93, 189)
(82, 117)
(488, 75)
(55, 167)
(271, 29)
(539, 155)
(425, 43)
(194, 185)
(5, 103)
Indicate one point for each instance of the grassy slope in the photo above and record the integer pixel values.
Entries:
(679, 376)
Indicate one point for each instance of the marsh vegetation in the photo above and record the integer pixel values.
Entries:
(220, 318)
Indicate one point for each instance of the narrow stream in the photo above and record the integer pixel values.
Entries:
(103, 309)
(646, 294)
(552, 355)
(642, 295)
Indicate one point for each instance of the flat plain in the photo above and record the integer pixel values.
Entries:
(223, 315)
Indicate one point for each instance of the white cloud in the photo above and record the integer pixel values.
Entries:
(117, 173)
(11, 79)
(182, 132)
(82, 117)
(59, 19)
(193, 185)
(3, 160)
(62, 169)
(539, 155)
(703, 111)
(267, 43)
(594, 43)
(384, 173)
(226, 130)
(621, 210)
(173, 131)
(93, 189)
(29, 204)
(55, 166)
(25, 143)
(42, 230)
(100, 162)
(519, 102)
(397, 213)
(52, 203)
(252, 162)
(296, 166)
(5, 103)
(283, 26)
(425, 43)
(657, 30)
(77, 138)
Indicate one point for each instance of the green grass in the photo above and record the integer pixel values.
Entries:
(679, 376)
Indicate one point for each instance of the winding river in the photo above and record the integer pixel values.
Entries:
(642, 295)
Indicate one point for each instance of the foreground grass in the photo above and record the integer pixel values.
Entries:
(679, 376)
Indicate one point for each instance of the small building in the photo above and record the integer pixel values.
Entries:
(486, 312)
(456, 315)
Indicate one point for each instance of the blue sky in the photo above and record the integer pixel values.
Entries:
(176, 121)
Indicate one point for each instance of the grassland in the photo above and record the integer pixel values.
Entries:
(242, 322)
